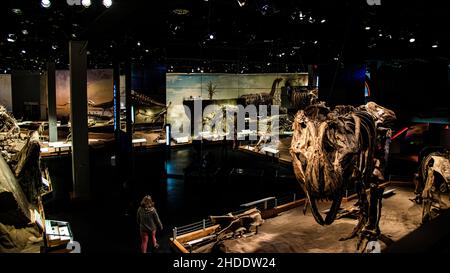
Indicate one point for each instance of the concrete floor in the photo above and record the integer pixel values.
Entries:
(293, 232)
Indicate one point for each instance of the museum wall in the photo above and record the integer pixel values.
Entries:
(181, 87)
(26, 90)
(5, 91)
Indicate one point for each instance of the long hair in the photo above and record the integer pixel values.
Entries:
(147, 202)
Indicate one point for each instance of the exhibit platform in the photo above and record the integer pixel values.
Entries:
(287, 230)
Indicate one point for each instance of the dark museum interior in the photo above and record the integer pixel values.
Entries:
(224, 126)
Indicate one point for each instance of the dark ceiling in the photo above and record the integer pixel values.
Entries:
(262, 35)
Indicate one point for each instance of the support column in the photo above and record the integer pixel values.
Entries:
(312, 76)
(116, 92)
(117, 123)
(128, 105)
(79, 121)
(51, 103)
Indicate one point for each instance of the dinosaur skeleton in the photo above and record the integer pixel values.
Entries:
(434, 180)
(26, 167)
(155, 117)
(9, 134)
(235, 226)
(8, 123)
(144, 100)
(334, 150)
(301, 99)
(262, 98)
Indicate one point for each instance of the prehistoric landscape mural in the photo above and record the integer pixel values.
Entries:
(183, 87)
(99, 92)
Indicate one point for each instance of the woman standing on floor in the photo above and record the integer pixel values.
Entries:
(148, 221)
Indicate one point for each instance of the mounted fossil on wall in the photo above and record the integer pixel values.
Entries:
(334, 150)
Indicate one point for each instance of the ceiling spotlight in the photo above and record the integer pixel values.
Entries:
(434, 46)
(315, 42)
(147, 51)
(46, 3)
(86, 3)
(54, 47)
(367, 28)
(323, 21)
(17, 11)
(241, 3)
(25, 32)
(301, 15)
(138, 43)
(11, 38)
(181, 11)
(23, 51)
(211, 36)
(107, 3)
(412, 40)
(380, 34)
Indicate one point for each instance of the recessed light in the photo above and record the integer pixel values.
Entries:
(412, 40)
(17, 11)
(241, 3)
(367, 28)
(11, 38)
(46, 4)
(181, 11)
(86, 3)
(434, 46)
(107, 3)
(323, 21)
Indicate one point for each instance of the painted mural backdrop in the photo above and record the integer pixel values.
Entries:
(5, 91)
(223, 86)
(99, 93)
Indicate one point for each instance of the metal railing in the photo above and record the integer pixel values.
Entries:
(262, 205)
